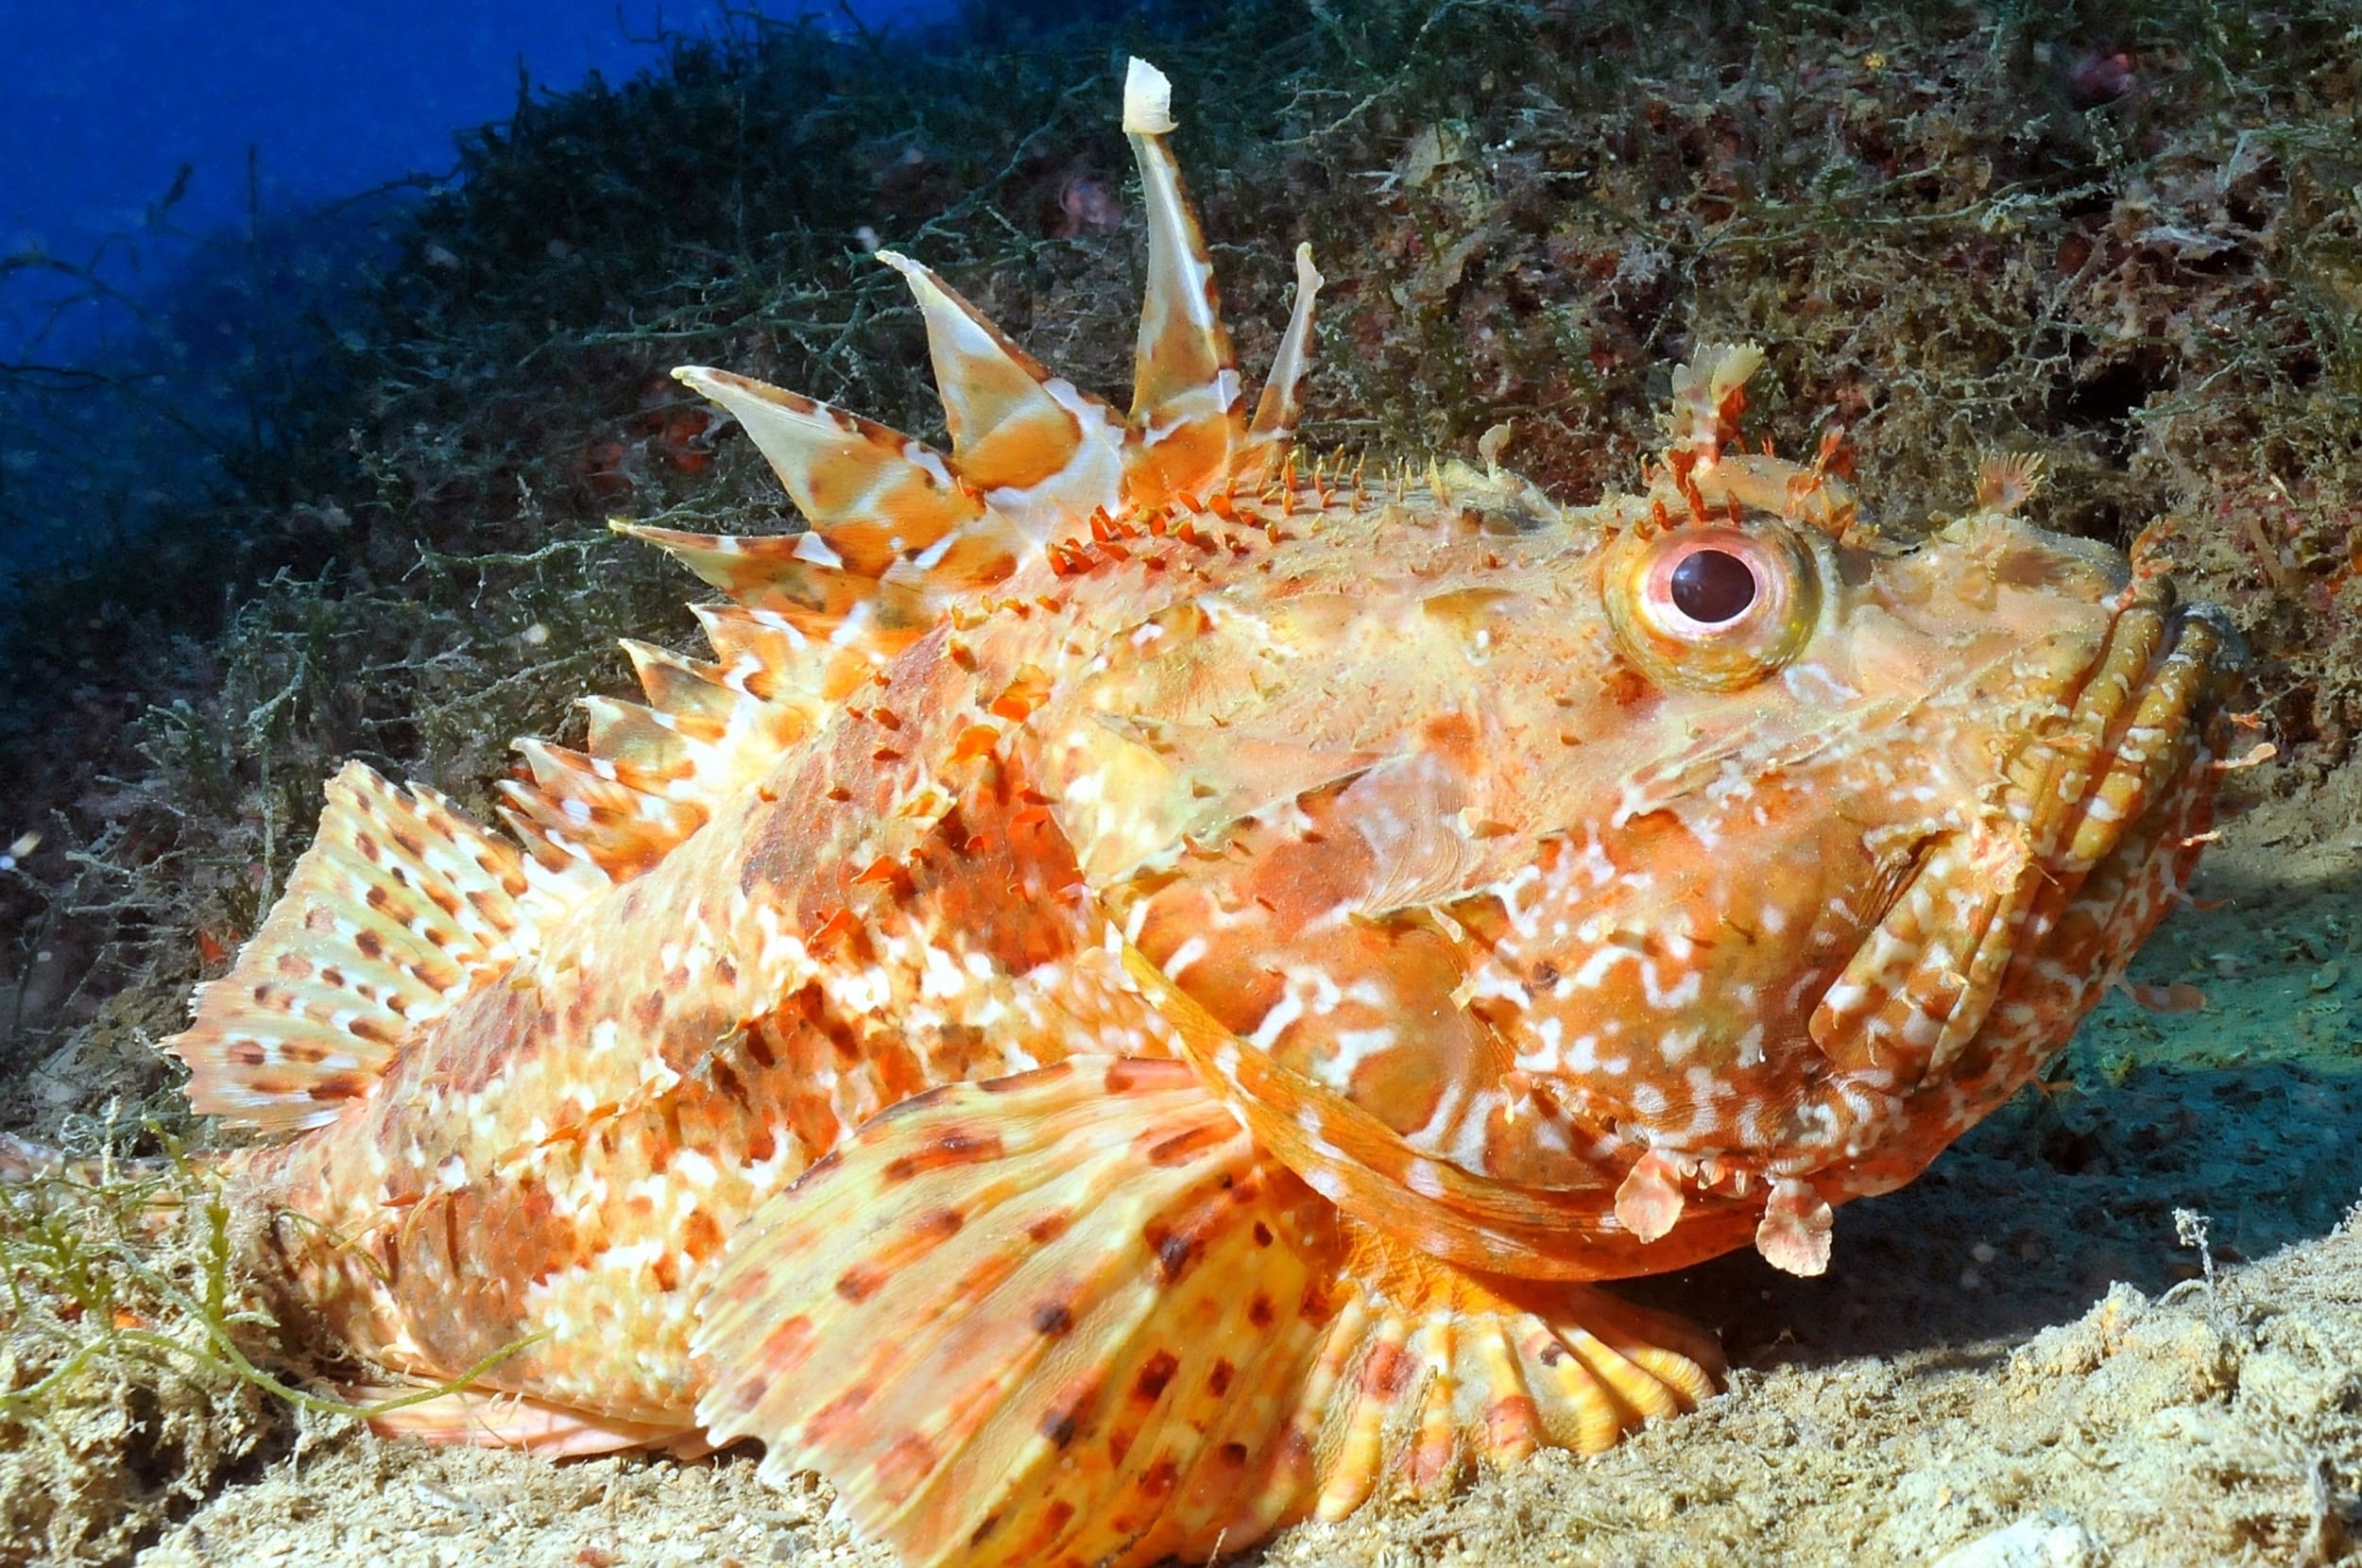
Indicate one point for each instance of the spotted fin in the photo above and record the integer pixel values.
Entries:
(401, 906)
(1057, 1318)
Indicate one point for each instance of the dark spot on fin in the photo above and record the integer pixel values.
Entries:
(353, 958)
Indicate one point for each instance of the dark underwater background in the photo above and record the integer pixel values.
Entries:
(194, 192)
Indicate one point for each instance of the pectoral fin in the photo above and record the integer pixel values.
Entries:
(1060, 1317)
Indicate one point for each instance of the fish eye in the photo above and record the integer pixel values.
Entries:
(1711, 586)
(1713, 608)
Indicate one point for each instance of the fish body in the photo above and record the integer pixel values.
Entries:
(1126, 1003)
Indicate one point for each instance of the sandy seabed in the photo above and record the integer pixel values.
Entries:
(2019, 1360)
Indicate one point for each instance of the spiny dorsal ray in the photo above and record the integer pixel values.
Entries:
(1041, 452)
(1185, 430)
(790, 575)
(873, 495)
(900, 536)
(1274, 433)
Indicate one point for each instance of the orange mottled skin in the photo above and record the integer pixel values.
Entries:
(1225, 951)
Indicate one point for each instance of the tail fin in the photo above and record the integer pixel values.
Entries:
(401, 906)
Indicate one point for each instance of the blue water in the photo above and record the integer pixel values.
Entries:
(137, 130)
(179, 178)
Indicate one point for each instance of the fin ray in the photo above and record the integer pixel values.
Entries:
(619, 827)
(1043, 453)
(1428, 1369)
(491, 1419)
(775, 573)
(842, 469)
(1185, 424)
(400, 906)
(1277, 411)
(1077, 1261)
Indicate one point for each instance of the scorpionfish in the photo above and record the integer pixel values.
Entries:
(1133, 999)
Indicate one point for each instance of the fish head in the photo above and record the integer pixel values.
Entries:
(1705, 848)
(1855, 832)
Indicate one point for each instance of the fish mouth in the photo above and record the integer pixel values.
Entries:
(2106, 811)
(2138, 743)
(2017, 924)
(2122, 805)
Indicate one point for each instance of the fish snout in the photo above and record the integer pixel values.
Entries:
(2228, 652)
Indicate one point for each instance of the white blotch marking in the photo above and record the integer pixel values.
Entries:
(812, 548)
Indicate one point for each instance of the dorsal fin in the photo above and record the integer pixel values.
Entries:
(1042, 453)
(401, 906)
(620, 829)
(899, 532)
(1185, 427)
(1033, 458)
(764, 652)
(882, 506)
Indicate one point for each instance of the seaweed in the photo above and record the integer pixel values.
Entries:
(128, 1351)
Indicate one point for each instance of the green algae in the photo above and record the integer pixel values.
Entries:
(129, 1349)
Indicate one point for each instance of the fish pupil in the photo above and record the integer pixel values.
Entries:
(1712, 586)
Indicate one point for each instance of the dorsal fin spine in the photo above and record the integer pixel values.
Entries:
(1039, 450)
(1274, 431)
(1184, 429)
